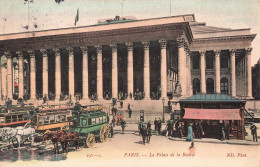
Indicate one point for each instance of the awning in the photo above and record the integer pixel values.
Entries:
(212, 114)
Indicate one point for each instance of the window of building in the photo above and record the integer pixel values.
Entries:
(196, 86)
(97, 120)
(196, 62)
(209, 61)
(223, 61)
(93, 121)
(210, 86)
(224, 85)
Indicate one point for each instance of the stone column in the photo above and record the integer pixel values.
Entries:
(202, 72)
(99, 72)
(217, 70)
(3, 70)
(147, 70)
(233, 71)
(130, 70)
(84, 72)
(20, 74)
(189, 83)
(44, 73)
(57, 74)
(249, 72)
(1, 92)
(71, 72)
(181, 86)
(9, 81)
(32, 75)
(163, 44)
(114, 71)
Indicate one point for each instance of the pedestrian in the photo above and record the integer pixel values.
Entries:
(159, 126)
(189, 136)
(129, 110)
(223, 133)
(149, 131)
(199, 130)
(144, 133)
(121, 103)
(253, 129)
(120, 118)
(111, 130)
(169, 128)
(114, 121)
(115, 110)
(123, 124)
(194, 129)
(177, 128)
(140, 126)
(155, 124)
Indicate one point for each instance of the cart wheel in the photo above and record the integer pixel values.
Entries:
(90, 140)
(15, 142)
(104, 133)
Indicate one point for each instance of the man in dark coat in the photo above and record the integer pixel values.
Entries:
(169, 128)
(111, 130)
(159, 126)
(149, 131)
(143, 133)
(253, 129)
(123, 123)
(155, 124)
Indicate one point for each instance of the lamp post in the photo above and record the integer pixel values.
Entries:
(163, 101)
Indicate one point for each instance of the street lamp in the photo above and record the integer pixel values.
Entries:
(163, 101)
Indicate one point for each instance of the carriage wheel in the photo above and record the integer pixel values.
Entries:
(104, 133)
(90, 140)
(15, 142)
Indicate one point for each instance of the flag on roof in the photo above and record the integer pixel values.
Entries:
(77, 17)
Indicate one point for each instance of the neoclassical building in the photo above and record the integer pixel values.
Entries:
(170, 56)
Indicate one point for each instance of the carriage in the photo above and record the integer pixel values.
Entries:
(90, 122)
(15, 116)
(51, 118)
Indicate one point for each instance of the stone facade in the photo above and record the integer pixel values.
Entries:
(148, 59)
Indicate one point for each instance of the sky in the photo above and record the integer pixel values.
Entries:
(35, 15)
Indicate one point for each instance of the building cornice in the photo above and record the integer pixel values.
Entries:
(226, 38)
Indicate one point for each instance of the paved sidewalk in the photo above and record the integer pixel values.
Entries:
(133, 129)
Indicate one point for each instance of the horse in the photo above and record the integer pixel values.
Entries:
(20, 132)
(73, 136)
(56, 137)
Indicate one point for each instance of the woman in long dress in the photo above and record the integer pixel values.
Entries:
(189, 136)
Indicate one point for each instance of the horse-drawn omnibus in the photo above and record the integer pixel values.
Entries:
(90, 122)
(51, 118)
(15, 116)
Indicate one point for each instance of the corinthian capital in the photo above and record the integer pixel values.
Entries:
(57, 51)
(181, 42)
(7, 54)
(84, 49)
(31, 53)
(70, 50)
(146, 45)
(113, 47)
(44, 52)
(129, 46)
(98, 48)
(19, 54)
(233, 51)
(163, 43)
(202, 52)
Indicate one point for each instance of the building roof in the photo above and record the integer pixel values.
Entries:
(210, 98)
